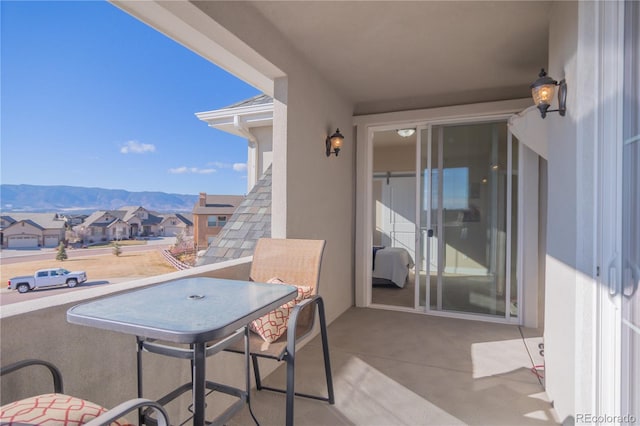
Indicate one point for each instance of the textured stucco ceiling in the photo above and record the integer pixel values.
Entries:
(398, 55)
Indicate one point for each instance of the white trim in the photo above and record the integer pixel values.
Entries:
(606, 143)
(521, 240)
(427, 301)
(507, 262)
(238, 121)
(418, 223)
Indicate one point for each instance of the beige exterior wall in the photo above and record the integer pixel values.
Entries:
(313, 196)
(202, 232)
(561, 273)
(581, 320)
(264, 135)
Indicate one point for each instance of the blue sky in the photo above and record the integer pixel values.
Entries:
(92, 97)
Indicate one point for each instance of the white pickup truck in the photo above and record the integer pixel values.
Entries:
(47, 278)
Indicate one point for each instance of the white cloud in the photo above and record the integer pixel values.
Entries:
(220, 165)
(192, 170)
(240, 167)
(135, 147)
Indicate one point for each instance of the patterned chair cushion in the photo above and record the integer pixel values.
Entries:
(274, 324)
(52, 409)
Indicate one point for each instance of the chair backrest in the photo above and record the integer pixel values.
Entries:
(293, 261)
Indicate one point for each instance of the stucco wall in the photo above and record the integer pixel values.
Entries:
(570, 312)
(265, 147)
(312, 194)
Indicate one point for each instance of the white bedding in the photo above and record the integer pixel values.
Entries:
(392, 263)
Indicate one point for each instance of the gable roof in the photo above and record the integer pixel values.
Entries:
(182, 218)
(125, 214)
(251, 221)
(40, 220)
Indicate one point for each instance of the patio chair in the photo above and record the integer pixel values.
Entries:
(296, 262)
(58, 408)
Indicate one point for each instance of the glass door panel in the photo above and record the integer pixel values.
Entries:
(467, 217)
(393, 219)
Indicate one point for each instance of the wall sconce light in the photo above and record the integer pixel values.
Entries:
(543, 90)
(405, 133)
(334, 143)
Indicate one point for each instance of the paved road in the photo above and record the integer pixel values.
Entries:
(8, 256)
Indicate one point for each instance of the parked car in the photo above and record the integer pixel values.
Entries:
(47, 278)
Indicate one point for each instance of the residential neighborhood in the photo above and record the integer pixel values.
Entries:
(46, 230)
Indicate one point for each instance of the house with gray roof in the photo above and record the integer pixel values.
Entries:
(131, 222)
(31, 230)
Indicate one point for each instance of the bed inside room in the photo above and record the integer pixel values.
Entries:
(393, 234)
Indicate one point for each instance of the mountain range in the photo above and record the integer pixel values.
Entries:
(74, 199)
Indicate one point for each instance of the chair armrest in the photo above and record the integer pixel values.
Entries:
(128, 406)
(57, 376)
(292, 324)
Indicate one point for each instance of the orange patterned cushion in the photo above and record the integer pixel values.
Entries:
(274, 324)
(52, 410)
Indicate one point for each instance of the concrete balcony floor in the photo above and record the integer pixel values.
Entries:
(394, 368)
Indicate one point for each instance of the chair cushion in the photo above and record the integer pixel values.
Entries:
(274, 324)
(52, 409)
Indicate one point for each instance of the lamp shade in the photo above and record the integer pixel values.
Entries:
(543, 94)
(543, 90)
(334, 143)
(405, 133)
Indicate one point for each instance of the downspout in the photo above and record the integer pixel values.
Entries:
(252, 166)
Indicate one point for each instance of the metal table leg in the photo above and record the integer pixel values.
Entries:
(199, 385)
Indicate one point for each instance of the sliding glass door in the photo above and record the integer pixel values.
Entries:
(445, 208)
(468, 212)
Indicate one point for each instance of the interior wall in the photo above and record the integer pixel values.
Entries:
(394, 158)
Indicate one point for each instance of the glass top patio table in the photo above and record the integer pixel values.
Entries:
(194, 311)
(190, 310)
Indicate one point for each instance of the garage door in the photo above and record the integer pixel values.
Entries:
(21, 241)
(172, 231)
(51, 241)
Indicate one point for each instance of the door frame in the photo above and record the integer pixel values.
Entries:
(365, 128)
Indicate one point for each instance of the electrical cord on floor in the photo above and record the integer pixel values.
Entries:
(536, 369)
(251, 412)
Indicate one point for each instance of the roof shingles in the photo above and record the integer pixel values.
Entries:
(251, 221)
